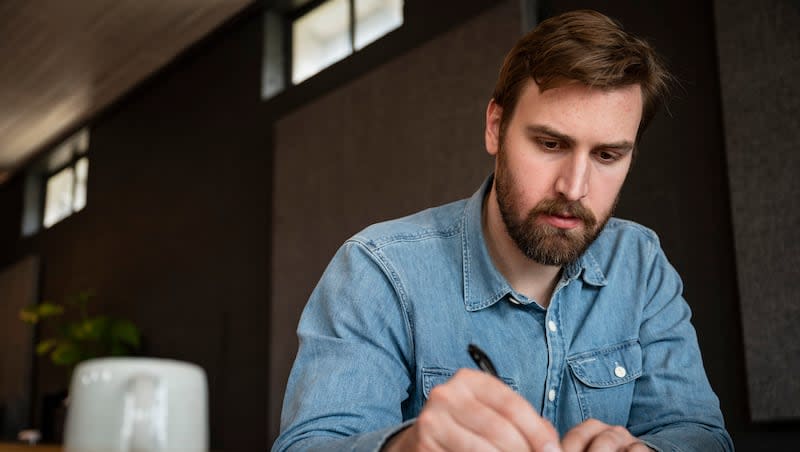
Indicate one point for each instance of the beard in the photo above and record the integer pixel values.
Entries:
(541, 242)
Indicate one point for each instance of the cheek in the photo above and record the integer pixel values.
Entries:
(605, 192)
(532, 186)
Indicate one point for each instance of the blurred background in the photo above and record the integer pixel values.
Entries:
(196, 164)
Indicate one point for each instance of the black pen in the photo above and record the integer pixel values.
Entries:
(481, 359)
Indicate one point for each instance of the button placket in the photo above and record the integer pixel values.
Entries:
(556, 356)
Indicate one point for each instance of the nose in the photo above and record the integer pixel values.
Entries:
(573, 177)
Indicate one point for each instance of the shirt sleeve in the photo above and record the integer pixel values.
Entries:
(674, 407)
(351, 374)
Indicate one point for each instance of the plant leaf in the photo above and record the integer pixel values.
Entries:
(90, 329)
(95, 328)
(66, 354)
(47, 309)
(125, 332)
(45, 346)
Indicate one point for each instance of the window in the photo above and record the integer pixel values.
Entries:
(320, 38)
(335, 29)
(375, 18)
(66, 192)
(320, 35)
(56, 186)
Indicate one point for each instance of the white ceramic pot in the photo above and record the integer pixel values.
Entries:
(137, 405)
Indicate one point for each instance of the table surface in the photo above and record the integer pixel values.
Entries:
(20, 447)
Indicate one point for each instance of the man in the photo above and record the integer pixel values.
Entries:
(581, 313)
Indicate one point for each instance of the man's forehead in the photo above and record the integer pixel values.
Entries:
(576, 109)
(625, 99)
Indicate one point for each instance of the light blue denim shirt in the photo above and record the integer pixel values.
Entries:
(397, 306)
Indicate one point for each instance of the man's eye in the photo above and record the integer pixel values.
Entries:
(607, 157)
(550, 145)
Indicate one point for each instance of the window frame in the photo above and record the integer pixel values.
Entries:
(287, 37)
(68, 152)
(72, 163)
(281, 96)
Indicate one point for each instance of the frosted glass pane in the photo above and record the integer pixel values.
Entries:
(58, 201)
(320, 38)
(375, 18)
(81, 176)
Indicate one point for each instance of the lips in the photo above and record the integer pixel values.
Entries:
(562, 214)
(562, 221)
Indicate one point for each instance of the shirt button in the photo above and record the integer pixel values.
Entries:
(551, 395)
(620, 371)
(551, 325)
(513, 300)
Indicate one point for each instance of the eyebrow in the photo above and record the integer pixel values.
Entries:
(622, 146)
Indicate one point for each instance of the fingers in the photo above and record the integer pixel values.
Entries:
(637, 447)
(579, 438)
(595, 436)
(537, 431)
(474, 408)
(473, 416)
(438, 431)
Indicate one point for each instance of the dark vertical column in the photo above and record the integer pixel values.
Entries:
(759, 60)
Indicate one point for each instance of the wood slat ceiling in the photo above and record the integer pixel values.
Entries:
(63, 61)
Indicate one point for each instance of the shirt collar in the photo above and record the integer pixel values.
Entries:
(483, 283)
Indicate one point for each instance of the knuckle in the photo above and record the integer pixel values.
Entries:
(594, 423)
(510, 406)
(494, 424)
(465, 375)
(604, 438)
(620, 429)
(439, 394)
(426, 421)
(427, 443)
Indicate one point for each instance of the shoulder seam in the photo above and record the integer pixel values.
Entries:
(644, 230)
(397, 284)
(382, 242)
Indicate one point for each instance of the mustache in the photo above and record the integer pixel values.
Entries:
(562, 207)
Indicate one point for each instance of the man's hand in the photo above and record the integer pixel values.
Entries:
(474, 411)
(595, 436)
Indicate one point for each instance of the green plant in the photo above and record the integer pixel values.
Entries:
(84, 337)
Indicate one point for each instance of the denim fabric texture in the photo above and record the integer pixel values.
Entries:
(397, 306)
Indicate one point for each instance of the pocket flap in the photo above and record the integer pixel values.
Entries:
(609, 366)
(433, 376)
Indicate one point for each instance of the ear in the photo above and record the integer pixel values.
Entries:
(492, 136)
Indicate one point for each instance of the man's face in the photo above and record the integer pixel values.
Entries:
(560, 165)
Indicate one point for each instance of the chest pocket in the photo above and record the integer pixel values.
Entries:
(604, 381)
(433, 376)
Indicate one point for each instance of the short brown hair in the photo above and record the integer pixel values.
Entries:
(584, 46)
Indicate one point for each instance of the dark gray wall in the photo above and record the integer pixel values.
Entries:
(19, 284)
(759, 58)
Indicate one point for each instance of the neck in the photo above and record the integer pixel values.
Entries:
(532, 279)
